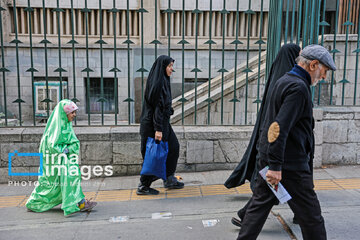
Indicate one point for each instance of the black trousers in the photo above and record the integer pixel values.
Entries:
(173, 155)
(304, 204)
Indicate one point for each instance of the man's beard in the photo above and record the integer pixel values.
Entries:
(317, 77)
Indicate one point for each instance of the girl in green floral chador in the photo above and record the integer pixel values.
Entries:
(60, 182)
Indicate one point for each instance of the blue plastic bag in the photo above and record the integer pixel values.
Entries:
(155, 158)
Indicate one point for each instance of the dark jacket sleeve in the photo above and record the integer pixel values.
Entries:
(158, 117)
(312, 153)
(289, 113)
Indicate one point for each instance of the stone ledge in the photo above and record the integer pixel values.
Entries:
(93, 133)
(11, 134)
(337, 116)
(129, 133)
(32, 134)
(125, 133)
(318, 114)
(340, 109)
(218, 132)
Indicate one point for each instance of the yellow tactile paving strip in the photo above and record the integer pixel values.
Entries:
(244, 189)
(354, 184)
(189, 191)
(108, 196)
(11, 201)
(326, 185)
(216, 190)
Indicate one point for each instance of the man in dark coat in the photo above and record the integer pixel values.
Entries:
(286, 144)
(247, 169)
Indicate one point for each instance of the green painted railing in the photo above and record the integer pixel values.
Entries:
(302, 22)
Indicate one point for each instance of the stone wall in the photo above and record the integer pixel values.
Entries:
(202, 148)
(338, 136)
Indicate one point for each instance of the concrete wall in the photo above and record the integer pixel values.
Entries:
(201, 148)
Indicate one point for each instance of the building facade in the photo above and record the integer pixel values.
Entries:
(99, 54)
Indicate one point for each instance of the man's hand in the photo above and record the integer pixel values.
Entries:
(158, 136)
(273, 177)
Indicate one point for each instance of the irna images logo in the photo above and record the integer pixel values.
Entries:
(17, 154)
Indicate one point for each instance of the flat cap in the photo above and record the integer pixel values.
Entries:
(317, 52)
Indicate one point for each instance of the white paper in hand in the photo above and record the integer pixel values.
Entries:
(280, 192)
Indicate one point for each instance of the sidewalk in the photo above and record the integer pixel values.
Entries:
(204, 197)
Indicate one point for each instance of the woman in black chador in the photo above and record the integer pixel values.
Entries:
(247, 168)
(154, 122)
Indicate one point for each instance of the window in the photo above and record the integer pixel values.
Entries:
(95, 95)
(54, 94)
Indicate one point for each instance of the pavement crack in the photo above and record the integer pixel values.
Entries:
(285, 225)
(22, 201)
(227, 159)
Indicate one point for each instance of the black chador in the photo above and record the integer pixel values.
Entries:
(247, 168)
(155, 116)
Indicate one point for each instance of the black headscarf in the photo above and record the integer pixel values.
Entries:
(156, 80)
(247, 170)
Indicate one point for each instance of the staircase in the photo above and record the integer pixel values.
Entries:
(215, 92)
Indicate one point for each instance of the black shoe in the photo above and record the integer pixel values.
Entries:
(143, 190)
(172, 183)
(295, 220)
(236, 222)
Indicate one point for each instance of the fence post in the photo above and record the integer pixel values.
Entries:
(210, 42)
(17, 41)
(3, 68)
(334, 50)
(73, 42)
(236, 42)
(223, 70)
(196, 69)
(115, 69)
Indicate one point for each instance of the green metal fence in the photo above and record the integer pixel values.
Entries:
(302, 22)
